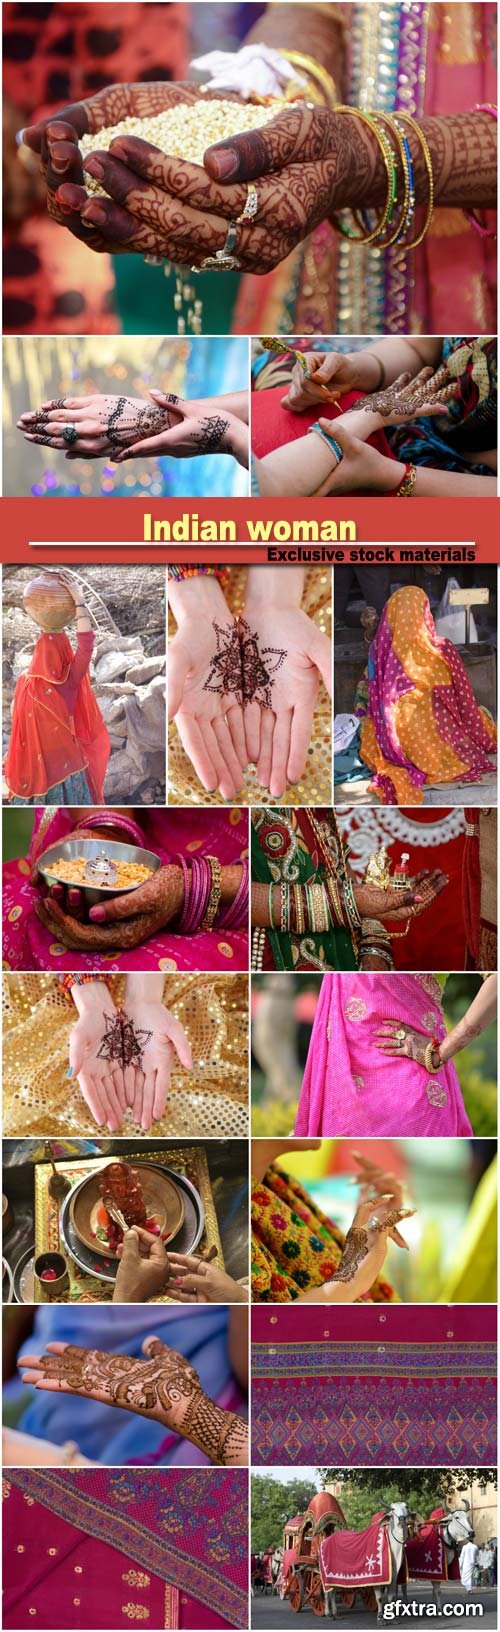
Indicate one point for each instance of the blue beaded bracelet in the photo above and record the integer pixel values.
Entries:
(330, 440)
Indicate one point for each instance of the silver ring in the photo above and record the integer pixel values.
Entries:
(69, 434)
(223, 260)
(373, 1222)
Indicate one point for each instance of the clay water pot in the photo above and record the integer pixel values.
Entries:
(49, 603)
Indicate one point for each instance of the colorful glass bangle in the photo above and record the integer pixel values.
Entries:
(235, 915)
(406, 119)
(402, 149)
(331, 441)
(179, 573)
(76, 979)
(391, 175)
(109, 819)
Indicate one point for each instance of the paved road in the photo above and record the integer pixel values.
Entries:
(273, 1615)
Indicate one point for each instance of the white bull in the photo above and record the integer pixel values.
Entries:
(456, 1529)
(396, 1519)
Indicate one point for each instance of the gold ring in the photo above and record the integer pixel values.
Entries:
(251, 206)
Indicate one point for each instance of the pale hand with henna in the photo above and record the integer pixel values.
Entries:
(163, 1386)
(205, 687)
(100, 1077)
(105, 425)
(284, 657)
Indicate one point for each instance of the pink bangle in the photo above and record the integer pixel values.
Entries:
(236, 914)
(483, 232)
(125, 824)
(199, 892)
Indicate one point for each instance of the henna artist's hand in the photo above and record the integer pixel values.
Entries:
(143, 1270)
(412, 1046)
(398, 905)
(193, 1280)
(163, 1386)
(105, 425)
(152, 1038)
(99, 1072)
(193, 433)
(331, 374)
(284, 656)
(205, 688)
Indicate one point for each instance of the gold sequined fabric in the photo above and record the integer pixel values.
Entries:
(315, 787)
(211, 1101)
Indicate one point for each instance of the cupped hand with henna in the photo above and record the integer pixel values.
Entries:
(205, 688)
(152, 1037)
(99, 1073)
(123, 922)
(284, 657)
(162, 1385)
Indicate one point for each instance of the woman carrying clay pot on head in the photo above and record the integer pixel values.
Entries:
(59, 745)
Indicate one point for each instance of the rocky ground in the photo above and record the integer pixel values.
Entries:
(127, 671)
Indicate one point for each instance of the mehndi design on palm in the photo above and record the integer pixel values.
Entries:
(122, 1041)
(259, 665)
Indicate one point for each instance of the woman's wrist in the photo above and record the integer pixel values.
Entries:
(236, 441)
(220, 1434)
(91, 996)
(230, 880)
(274, 586)
(140, 989)
(199, 597)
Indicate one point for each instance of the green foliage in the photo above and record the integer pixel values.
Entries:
(272, 1504)
(367, 1489)
(273, 1117)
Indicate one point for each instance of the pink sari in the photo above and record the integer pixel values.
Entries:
(166, 1548)
(351, 1088)
(28, 945)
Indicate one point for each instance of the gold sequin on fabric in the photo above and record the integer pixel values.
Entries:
(355, 1009)
(315, 786)
(136, 1578)
(37, 1020)
(436, 1094)
(136, 1612)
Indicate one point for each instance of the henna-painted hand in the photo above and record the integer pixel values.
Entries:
(105, 425)
(398, 905)
(124, 921)
(205, 697)
(421, 396)
(195, 1281)
(308, 161)
(284, 655)
(412, 1048)
(55, 139)
(159, 1387)
(156, 1037)
(163, 1386)
(143, 1270)
(99, 1072)
(366, 1241)
(194, 433)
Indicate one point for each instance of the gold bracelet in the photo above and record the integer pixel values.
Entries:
(213, 903)
(428, 1057)
(317, 75)
(391, 173)
(407, 486)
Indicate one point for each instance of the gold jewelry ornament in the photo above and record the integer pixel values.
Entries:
(429, 1056)
(213, 903)
(251, 207)
(320, 85)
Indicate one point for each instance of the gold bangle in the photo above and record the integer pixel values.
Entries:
(213, 903)
(391, 174)
(407, 486)
(428, 1057)
(299, 909)
(430, 177)
(317, 75)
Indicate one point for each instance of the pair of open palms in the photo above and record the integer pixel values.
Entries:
(244, 691)
(111, 1088)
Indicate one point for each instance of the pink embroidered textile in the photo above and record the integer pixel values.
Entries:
(351, 1088)
(426, 1556)
(409, 1386)
(356, 1558)
(128, 1537)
